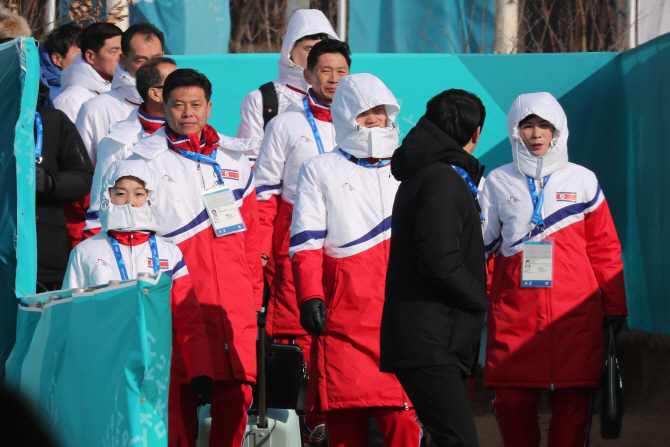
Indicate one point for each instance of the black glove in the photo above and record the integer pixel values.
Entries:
(313, 316)
(43, 181)
(616, 320)
(202, 388)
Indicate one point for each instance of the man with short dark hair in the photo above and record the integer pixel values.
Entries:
(57, 52)
(139, 43)
(436, 280)
(201, 172)
(304, 30)
(91, 72)
(123, 135)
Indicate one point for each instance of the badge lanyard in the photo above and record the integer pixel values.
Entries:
(312, 123)
(363, 162)
(473, 188)
(537, 220)
(206, 158)
(122, 264)
(40, 137)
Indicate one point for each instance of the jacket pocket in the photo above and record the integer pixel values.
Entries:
(465, 336)
(332, 280)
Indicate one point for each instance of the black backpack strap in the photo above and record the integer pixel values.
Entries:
(270, 102)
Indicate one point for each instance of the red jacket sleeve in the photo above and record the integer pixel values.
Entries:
(604, 252)
(267, 212)
(189, 327)
(307, 266)
(252, 242)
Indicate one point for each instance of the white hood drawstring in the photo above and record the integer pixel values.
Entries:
(356, 94)
(126, 217)
(126, 85)
(81, 74)
(546, 107)
(305, 22)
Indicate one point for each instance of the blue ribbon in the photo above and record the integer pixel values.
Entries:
(122, 264)
(40, 136)
(206, 158)
(312, 123)
(363, 162)
(473, 188)
(538, 201)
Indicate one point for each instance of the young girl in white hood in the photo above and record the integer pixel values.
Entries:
(557, 272)
(128, 245)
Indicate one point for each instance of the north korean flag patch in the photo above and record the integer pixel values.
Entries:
(566, 196)
(228, 173)
(163, 263)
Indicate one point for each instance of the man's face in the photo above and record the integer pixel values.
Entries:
(142, 48)
(301, 50)
(187, 110)
(105, 60)
(374, 117)
(536, 134)
(156, 92)
(328, 71)
(64, 61)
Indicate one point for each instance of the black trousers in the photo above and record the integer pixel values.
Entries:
(441, 398)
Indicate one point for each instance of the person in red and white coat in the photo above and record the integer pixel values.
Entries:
(289, 141)
(190, 157)
(548, 338)
(340, 238)
(129, 188)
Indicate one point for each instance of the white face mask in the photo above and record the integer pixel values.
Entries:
(126, 217)
(374, 142)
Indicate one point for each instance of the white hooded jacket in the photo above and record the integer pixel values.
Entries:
(305, 22)
(92, 262)
(99, 113)
(79, 83)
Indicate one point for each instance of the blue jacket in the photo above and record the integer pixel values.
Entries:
(50, 75)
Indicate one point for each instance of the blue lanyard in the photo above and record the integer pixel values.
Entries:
(206, 158)
(40, 136)
(538, 201)
(312, 123)
(363, 162)
(122, 264)
(473, 188)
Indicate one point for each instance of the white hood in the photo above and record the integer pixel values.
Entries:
(304, 22)
(125, 217)
(81, 74)
(546, 107)
(355, 94)
(125, 84)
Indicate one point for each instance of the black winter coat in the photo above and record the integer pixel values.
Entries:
(436, 279)
(68, 177)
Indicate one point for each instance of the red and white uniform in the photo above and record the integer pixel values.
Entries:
(291, 85)
(548, 338)
(288, 142)
(117, 146)
(228, 281)
(93, 262)
(98, 114)
(340, 239)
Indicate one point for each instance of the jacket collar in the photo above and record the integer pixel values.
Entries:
(130, 238)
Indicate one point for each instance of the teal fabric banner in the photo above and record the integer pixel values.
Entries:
(18, 89)
(96, 365)
(425, 26)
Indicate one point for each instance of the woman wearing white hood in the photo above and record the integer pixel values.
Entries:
(545, 321)
(340, 239)
(304, 30)
(126, 246)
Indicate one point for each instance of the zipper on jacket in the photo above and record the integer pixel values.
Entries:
(551, 337)
(381, 199)
(132, 258)
(406, 406)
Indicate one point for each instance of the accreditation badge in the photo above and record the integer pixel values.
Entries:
(537, 268)
(224, 214)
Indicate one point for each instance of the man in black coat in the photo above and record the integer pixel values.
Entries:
(63, 174)
(436, 281)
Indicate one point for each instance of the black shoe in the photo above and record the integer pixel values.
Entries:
(319, 437)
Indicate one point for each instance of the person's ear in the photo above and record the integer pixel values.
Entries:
(154, 95)
(57, 60)
(89, 57)
(477, 134)
(122, 60)
(307, 74)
